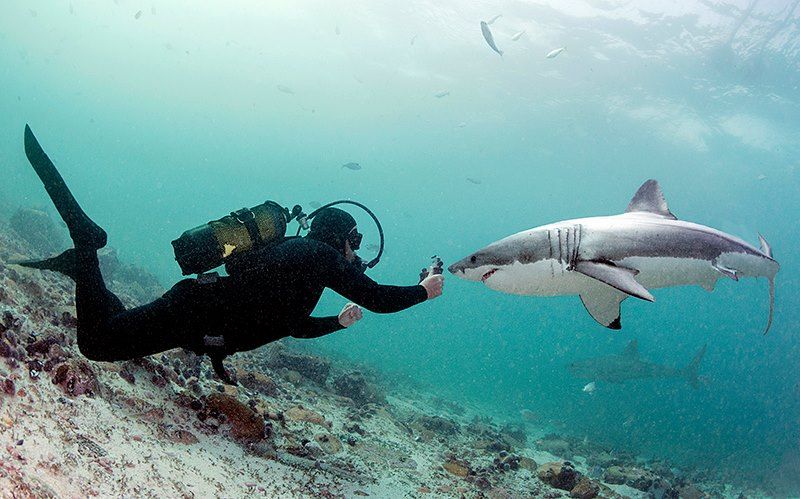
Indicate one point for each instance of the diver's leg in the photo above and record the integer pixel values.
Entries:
(174, 320)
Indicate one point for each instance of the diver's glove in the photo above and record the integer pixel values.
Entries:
(350, 314)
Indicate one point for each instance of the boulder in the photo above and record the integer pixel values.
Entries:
(586, 488)
(299, 413)
(355, 387)
(559, 474)
(314, 368)
(457, 467)
(329, 443)
(75, 377)
(246, 424)
(257, 382)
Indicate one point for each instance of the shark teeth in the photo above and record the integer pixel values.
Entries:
(488, 274)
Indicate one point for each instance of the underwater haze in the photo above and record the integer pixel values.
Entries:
(162, 115)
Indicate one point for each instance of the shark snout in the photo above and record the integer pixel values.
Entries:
(455, 268)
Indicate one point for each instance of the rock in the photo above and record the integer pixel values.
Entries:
(246, 424)
(299, 413)
(183, 437)
(355, 387)
(492, 446)
(528, 464)
(257, 382)
(437, 424)
(37, 228)
(555, 446)
(456, 467)
(637, 478)
(314, 368)
(75, 377)
(689, 491)
(586, 488)
(329, 443)
(559, 474)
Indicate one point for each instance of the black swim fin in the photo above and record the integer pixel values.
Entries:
(65, 263)
(83, 231)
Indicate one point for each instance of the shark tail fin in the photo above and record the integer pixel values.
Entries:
(691, 369)
(771, 303)
(767, 251)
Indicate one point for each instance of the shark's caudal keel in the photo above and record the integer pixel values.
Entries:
(604, 260)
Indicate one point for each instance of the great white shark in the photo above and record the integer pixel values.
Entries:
(606, 259)
(627, 366)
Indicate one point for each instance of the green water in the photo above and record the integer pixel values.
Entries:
(167, 119)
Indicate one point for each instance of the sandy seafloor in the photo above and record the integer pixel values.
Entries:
(298, 425)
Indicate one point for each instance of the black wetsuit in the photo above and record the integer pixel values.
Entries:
(271, 299)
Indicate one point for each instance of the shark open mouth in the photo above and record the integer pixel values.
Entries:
(488, 274)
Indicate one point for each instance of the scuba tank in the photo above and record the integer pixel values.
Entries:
(210, 245)
(232, 238)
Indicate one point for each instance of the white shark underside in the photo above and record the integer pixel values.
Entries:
(606, 259)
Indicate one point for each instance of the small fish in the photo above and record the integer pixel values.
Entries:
(487, 35)
(352, 166)
(413, 39)
(153, 9)
(373, 247)
(338, 31)
(495, 18)
(761, 177)
(628, 422)
(315, 204)
(71, 9)
(443, 93)
(554, 53)
(590, 388)
(285, 89)
(473, 181)
(138, 15)
(462, 124)
(528, 415)
(517, 36)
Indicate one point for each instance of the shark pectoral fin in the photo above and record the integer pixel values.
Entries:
(725, 271)
(621, 278)
(602, 303)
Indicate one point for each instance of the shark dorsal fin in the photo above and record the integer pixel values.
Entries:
(650, 199)
(632, 350)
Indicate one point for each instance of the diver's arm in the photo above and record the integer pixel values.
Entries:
(314, 327)
(346, 280)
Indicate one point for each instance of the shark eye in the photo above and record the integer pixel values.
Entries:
(473, 259)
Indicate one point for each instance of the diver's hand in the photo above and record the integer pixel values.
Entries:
(433, 285)
(350, 314)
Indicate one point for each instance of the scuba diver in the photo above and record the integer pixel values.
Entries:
(268, 294)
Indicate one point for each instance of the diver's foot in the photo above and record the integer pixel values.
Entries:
(84, 232)
(87, 234)
(65, 263)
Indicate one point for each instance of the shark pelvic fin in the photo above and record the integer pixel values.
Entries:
(650, 199)
(632, 350)
(617, 277)
(727, 272)
(602, 303)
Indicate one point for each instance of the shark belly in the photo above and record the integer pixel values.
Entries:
(665, 271)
